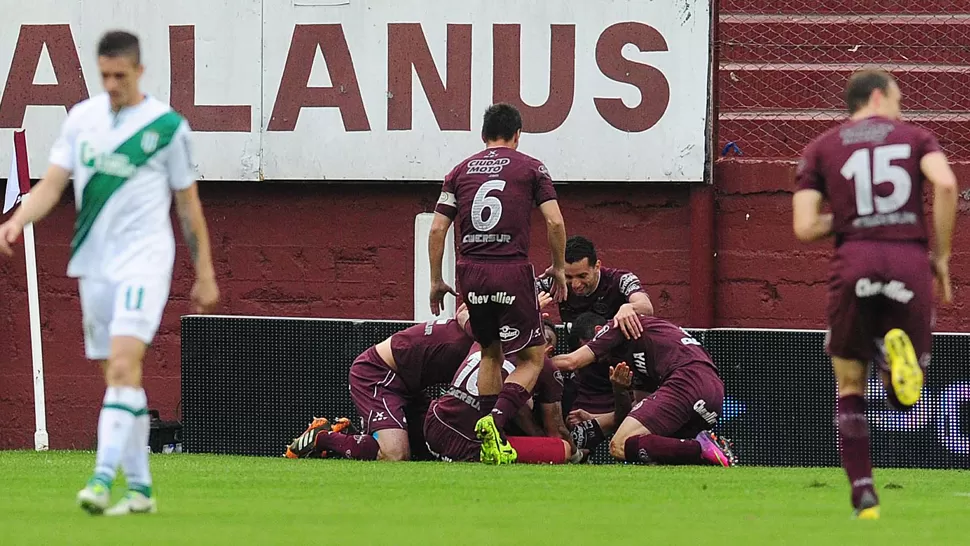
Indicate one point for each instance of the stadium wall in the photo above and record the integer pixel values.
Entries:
(345, 251)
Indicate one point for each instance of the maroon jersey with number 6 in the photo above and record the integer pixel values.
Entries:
(492, 194)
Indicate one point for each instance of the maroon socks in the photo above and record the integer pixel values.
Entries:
(854, 443)
(510, 400)
(650, 448)
(361, 447)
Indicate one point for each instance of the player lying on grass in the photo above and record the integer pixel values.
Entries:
(449, 427)
(387, 384)
(672, 424)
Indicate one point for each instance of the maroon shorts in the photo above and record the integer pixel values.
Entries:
(875, 286)
(686, 403)
(446, 442)
(378, 393)
(502, 303)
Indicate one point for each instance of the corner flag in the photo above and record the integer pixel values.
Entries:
(18, 183)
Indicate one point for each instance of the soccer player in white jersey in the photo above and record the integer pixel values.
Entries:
(127, 153)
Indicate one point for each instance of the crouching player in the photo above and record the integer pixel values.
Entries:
(387, 385)
(449, 426)
(672, 424)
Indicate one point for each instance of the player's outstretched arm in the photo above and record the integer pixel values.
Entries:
(807, 219)
(43, 197)
(205, 292)
(580, 358)
(937, 170)
(556, 235)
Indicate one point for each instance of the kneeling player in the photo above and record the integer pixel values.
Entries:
(449, 427)
(387, 385)
(671, 425)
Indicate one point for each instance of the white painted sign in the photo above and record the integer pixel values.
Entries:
(610, 90)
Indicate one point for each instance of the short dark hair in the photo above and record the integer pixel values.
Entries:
(118, 43)
(584, 329)
(862, 84)
(501, 122)
(578, 247)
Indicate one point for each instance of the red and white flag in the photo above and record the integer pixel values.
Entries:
(18, 183)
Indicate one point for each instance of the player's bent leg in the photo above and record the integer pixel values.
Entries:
(854, 435)
(905, 373)
(394, 445)
(629, 429)
(540, 450)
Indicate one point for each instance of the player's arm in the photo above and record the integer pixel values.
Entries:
(445, 211)
(525, 421)
(556, 236)
(545, 197)
(553, 422)
(436, 245)
(188, 206)
(621, 377)
(580, 358)
(807, 219)
(937, 170)
(45, 195)
(640, 303)
(627, 317)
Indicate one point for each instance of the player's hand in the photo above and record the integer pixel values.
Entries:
(544, 300)
(9, 234)
(438, 291)
(205, 294)
(941, 270)
(628, 321)
(578, 416)
(621, 376)
(558, 289)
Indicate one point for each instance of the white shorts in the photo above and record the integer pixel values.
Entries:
(132, 308)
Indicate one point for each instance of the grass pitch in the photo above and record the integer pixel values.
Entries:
(206, 499)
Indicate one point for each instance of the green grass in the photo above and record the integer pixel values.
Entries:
(207, 499)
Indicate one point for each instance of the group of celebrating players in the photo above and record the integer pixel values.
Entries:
(642, 381)
(672, 380)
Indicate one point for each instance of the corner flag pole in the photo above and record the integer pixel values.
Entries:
(20, 173)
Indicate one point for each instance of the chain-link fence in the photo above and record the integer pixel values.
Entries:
(784, 65)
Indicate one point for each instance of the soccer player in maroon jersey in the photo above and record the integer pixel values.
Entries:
(492, 194)
(387, 384)
(672, 424)
(871, 171)
(611, 292)
(449, 426)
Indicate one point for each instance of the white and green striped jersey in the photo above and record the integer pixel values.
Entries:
(125, 166)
